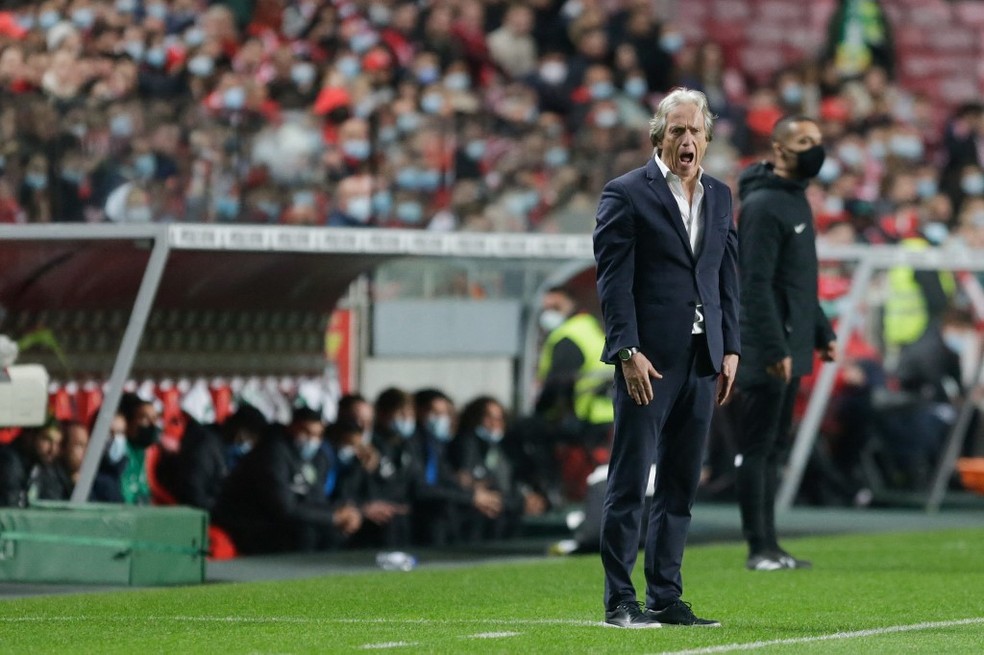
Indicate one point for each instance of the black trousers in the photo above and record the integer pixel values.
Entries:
(669, 432)
(765, 414)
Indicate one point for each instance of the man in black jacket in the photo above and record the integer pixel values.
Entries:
(476, 454)
(274, 500)
(195, 474)
(781, 324)
(440, 500)
(394, 478)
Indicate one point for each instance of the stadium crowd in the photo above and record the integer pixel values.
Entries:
(466, 114)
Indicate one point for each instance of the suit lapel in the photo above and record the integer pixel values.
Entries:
(658, 184)
(709, 209)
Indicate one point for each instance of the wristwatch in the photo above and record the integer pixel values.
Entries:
(625, 354)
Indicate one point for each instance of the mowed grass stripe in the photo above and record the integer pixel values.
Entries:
(860, 583)
(309, 621)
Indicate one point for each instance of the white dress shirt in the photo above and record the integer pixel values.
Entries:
(691, 211)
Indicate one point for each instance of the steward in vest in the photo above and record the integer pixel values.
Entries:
(569, 364)
(914, 299)
(575, 390)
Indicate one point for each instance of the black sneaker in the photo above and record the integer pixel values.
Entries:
(764, 562)
(790, 562)
(629, 614)
(679, 613)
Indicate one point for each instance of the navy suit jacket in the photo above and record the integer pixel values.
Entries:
(650, 281)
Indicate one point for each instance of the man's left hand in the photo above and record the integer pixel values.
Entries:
(729, 367)
(829, 354)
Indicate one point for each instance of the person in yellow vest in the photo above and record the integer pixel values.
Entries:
(575, 386)
(915, 298)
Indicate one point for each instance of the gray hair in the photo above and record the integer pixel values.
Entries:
(676, 98)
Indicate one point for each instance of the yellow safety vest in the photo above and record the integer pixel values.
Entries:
(592, 402)
(906, 316)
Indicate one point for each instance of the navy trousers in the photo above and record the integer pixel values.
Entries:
(669, 432)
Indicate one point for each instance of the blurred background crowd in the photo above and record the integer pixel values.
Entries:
(447, 115)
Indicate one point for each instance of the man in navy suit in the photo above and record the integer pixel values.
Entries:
(666, 249)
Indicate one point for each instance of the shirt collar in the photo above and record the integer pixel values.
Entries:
(665, 170)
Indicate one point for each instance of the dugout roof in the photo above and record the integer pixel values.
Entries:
(100, 267)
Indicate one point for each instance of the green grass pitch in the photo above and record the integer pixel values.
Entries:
(890, 593)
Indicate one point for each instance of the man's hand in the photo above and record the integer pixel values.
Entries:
(726, 380)
(368, 457)
(829, 354)
(853, 374)
(487, 502)
(382, 512)
(534, 504)
(465, 479)
(783, 369)
(348, 519)
(637, 372)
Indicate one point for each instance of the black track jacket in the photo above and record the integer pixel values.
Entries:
(780, 313)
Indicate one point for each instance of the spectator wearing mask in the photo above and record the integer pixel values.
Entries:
(353, 154)
(354, 462)
(274, 500)
(353, 206)
(27, 468)
(441, 503)
(394, 478)
(107, 486)
(913, 422)
(552, 83)
(354, 408)
(68, 201)
(347, 477)
(142, 432)
(654, 47)
(162, 75)
(596, 91)
(195, 474)
(477, 455)
(294, 85)
(35, 191)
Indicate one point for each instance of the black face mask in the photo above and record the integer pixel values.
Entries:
(809, 161)
(146, 436)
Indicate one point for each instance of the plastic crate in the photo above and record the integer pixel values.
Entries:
(102, 543)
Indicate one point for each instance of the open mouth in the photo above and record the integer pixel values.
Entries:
(687, 157)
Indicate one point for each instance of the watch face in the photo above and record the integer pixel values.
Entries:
(624, 354)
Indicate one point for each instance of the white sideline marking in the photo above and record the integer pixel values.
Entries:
(730, 648)
(388, 644)
(493, 635)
